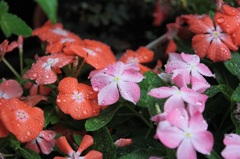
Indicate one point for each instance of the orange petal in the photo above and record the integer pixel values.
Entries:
(93, 154)
(200, 44)
(143, 69)
(54, 48)
(144, 55)
(68, 85)
(129, 54)
(20, 119)
(63, 145)
(87, 141)
(236, 39)
(171, 47)
(95, 107)
(218, 52)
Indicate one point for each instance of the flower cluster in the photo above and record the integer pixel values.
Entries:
(77, 100)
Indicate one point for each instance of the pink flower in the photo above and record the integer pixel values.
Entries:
(122, 142)
(87, 141)
(188, 134)
(10, 89)
(188, 66)
(116, 78)
(44, 71)
(44, 142)
(178, 97)
(232, 142)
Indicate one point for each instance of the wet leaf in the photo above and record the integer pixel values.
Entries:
(226, 90)
(233, 65)
(236, 95)
(29, 154)
(212, 91)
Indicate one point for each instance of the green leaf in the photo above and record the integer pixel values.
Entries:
(77, 138)
(3, 8)
(150, 81)
(50, 9)
(213, 155)
(11, 24)
(236, 123)
(102, 119)
(143, 154)
(28, 154)
(103, 143)
(226, 90)
(212, 91)
(233, 65)
(50, 116)
(236, 95)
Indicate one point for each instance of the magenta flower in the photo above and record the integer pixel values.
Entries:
(188, 134)
(231, 151)
(115, 78)
(188, 66)
(178, 97)
(44, 142)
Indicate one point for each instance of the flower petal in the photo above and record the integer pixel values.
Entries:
(68, 85)
(93, 154)
(108, 95)
(231, 152)
(201, 43)
(100, 80)
(186, 150)
(87, 141)
(132, 75)
(129, 91)
(163, 92)
(63, 145)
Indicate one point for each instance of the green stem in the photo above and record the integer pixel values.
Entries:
(80, 67)
(223, 119)
(156, 41)
(21, 60)
(140, 116)
(11, 68)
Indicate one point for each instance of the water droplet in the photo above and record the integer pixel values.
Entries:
(230, 64)
(64, 100)
(35, 74)
(58, 100)
(85, 112)
(28, 133)
(199, 103)
(47, 76)
(220, 20)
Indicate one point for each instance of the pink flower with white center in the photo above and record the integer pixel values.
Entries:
(188, 66)
(232, 143)
(188, 134)
(46, 68)
(115, 78)
(44, 143)
(10, 89)
(178, 97)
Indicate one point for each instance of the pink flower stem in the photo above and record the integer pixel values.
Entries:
(80, 68)
(157, 41)
(11, 68)
(21, 60)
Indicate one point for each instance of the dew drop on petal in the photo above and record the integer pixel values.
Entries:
(35, 74)
(58, 100)
(85, 112)
(28, 133)
(47, 76)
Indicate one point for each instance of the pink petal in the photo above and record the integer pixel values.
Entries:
(108, 95)
(191, 59)
(33, 146)
(199, 86)
(48, 135)
(173, 102)
(178, 118)
(170, 136)
(174, 57)
(197, 123)
(132, 75)
(100, 80)
(182, 79)
(203, 142)
(204, 70)
(10, 89)
(93, 154)
(231, 139)
(163, 92)
(192, 97)
(46, 146)
(192, 109)
(129, 91)
(231, 152)
(186, 150)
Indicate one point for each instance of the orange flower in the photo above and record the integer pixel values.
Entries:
(211, 41)
(57, 37)
(87, 141)
(228, 19)
(4, 47)
(77, 99)
(142, 55)
(24, 121)
(95, 53)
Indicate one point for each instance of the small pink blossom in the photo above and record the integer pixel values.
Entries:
(115, 78)
(188, 66)
(44, 142)
(188, 134)
(122, 142)
(232, 143)
(10, 89)
(178, 97)
(46, 68)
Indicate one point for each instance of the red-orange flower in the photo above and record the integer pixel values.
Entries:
(22, 120)
(211, 41)
(95, 53)
(229, 20)
(87, 141)
(142, 55)
(44, 71)
(5, 47)
(77, 99)
(57, 37)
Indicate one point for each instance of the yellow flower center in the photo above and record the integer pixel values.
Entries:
(188, 134)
